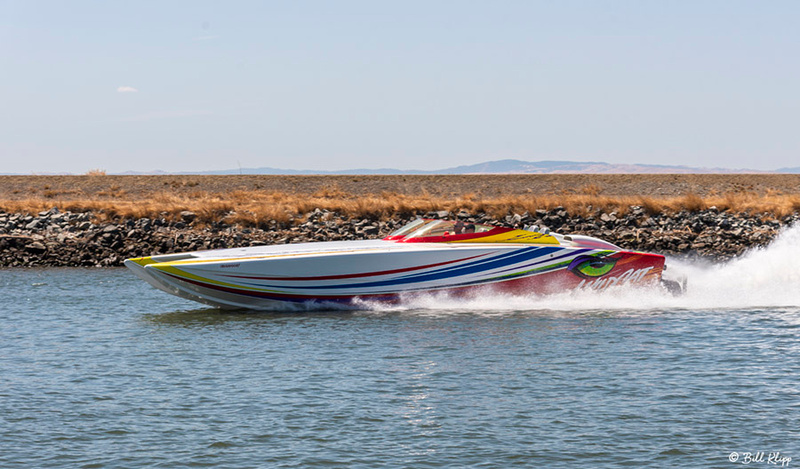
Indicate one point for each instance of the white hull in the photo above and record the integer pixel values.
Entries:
(340, 273)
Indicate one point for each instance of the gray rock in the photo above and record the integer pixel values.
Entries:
(36, 247)
(608, 218)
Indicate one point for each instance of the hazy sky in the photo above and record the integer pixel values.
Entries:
(326, 85)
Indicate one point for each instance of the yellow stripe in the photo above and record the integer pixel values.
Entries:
(236, 259)
(165, 267)
(143, 261)
(515, 236)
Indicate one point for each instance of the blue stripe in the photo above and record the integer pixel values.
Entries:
(570, 253)
(512, 254)
(474, 267)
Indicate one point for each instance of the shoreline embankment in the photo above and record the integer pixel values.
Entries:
(98, 220)
(55, 238)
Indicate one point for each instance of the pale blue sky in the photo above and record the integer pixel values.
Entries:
(330, 85)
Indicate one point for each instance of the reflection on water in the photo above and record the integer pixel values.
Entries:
(214, 316)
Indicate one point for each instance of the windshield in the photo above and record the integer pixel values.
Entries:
(448, 228)
(408, 228)
(436, 230)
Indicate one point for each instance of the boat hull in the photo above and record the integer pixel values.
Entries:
(313, 275)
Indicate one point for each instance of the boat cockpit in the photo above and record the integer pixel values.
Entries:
(424, 230)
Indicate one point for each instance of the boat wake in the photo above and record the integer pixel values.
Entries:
(762, 278)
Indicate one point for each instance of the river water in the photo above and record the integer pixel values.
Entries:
(97, 370)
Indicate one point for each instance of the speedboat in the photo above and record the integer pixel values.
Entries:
(426, 256)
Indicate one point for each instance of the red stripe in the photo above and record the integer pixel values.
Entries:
(367, 274)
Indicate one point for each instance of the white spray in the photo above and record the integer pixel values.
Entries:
(762, 278)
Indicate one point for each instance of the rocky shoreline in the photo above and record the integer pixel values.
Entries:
(55, 238)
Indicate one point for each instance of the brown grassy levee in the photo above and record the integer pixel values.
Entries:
(252, 199)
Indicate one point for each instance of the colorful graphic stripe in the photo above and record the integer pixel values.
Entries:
(470, 271)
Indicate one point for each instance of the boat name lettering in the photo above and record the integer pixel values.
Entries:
(627, 277)
(228, 266)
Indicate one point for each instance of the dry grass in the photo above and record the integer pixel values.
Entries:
(257, 200)
(258, 207)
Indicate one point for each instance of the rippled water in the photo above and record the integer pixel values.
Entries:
(97, 369)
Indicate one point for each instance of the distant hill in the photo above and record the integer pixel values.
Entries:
(512, 167)
(491, 167)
